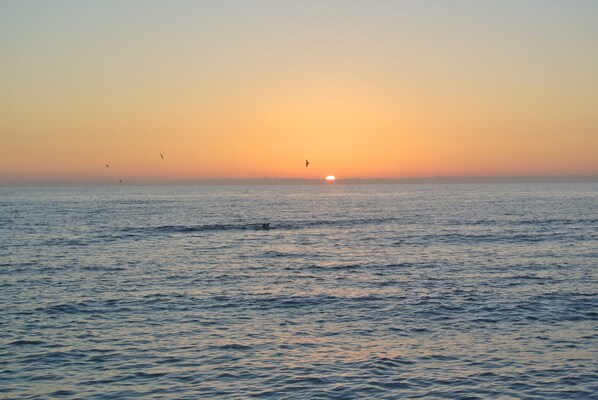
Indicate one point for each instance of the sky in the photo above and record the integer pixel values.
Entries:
(250, 89)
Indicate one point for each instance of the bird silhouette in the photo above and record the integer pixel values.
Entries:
(161, 156)
(120, 181)
(106, 165)
(306, 163)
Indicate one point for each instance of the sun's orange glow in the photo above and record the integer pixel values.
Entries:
(259, 100)
(330, 178)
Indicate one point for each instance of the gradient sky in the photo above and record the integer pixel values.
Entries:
(251, 88)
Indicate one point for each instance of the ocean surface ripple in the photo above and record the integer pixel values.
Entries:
(357, 291)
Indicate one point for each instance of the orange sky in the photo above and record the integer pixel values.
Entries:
(227, 89)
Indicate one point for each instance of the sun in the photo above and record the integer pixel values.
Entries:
(330, 178)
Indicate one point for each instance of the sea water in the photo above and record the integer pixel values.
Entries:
(355, 292)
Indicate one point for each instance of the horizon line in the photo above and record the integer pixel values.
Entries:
(307, 181)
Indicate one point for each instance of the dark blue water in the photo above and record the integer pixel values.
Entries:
(356, 291)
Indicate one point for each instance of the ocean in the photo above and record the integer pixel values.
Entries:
(457, 291)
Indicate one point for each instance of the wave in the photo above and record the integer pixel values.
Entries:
(286, 225)
(189, 228)
(27, 342)
(348, 223)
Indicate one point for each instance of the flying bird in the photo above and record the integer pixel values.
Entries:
(106, 165)
(161, 156)
(306, 163)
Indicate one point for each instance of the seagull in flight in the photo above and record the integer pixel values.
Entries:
(306, 163)
(161, 156)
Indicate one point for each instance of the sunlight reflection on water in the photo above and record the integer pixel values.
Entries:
(358, 291)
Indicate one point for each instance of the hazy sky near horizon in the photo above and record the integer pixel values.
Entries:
(252, 88)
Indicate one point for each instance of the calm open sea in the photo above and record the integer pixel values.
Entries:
(356, 291)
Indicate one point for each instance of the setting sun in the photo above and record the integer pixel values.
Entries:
(330, 178)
